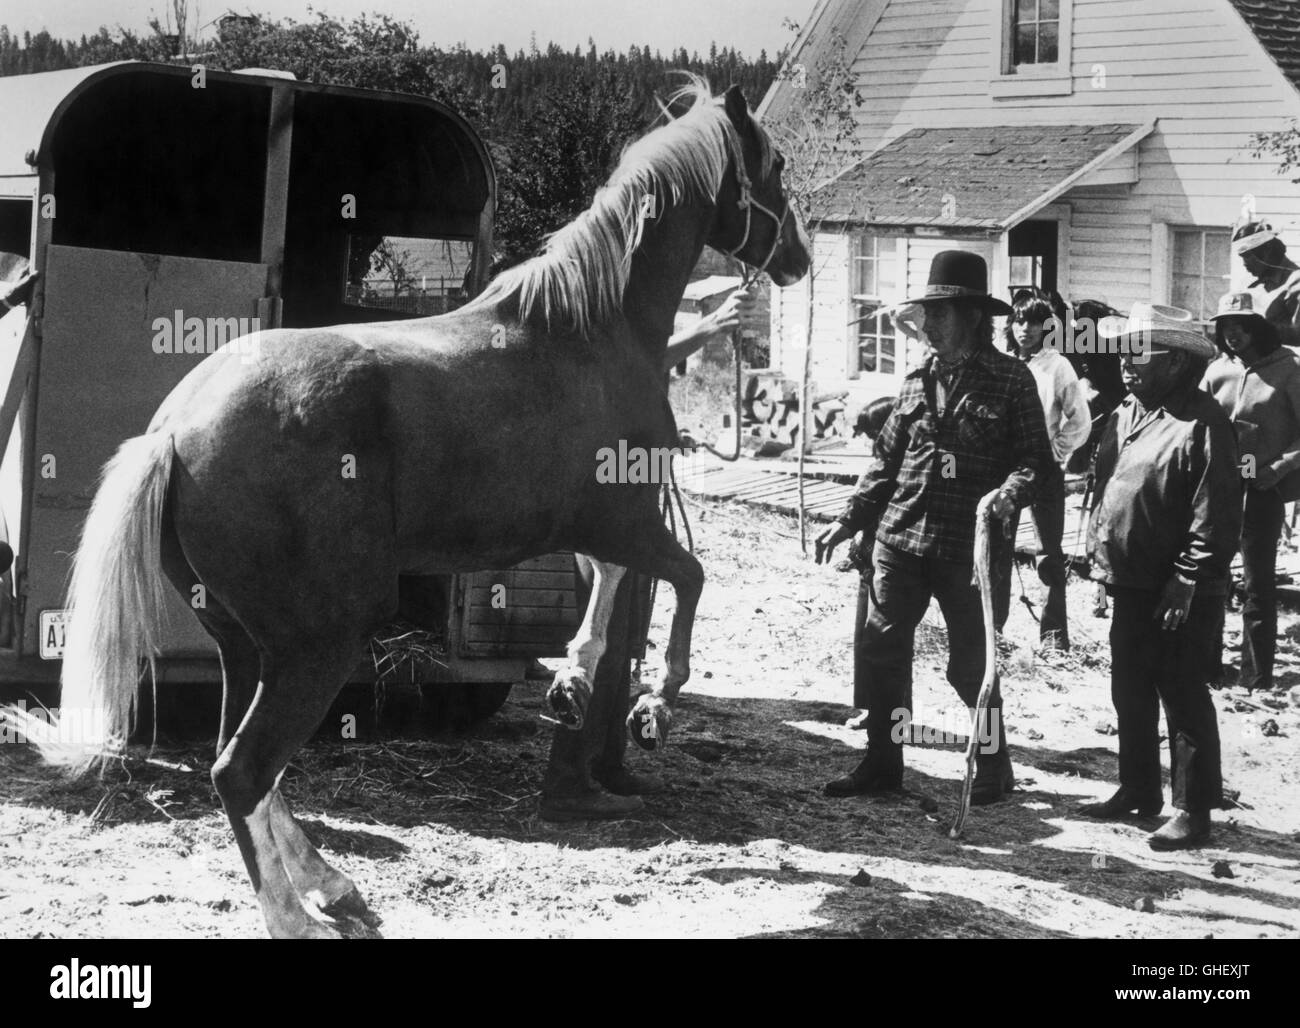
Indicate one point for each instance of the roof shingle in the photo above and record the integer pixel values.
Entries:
(1276, 23)
(962, 178)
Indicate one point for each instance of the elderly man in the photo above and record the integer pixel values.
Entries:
(967, 423)
(1263, 254)
(1165, 524)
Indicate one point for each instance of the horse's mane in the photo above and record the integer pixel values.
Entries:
(579, 276)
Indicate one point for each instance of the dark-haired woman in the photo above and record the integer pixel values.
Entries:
(1257, 382)
(1068, 426)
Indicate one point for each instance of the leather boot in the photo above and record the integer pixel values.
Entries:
(870, 778)
(994, 775)
(994, 778)
(1124, 802)
(1186, 829)
(589, 806)
(622, 782)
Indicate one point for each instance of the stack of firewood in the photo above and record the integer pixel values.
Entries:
(770, 409)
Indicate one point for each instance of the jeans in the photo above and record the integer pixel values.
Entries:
(1048, 515)
(1261, 529)
(1150, 666)
(890, 606)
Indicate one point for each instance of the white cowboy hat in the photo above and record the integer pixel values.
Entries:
(1154, 324)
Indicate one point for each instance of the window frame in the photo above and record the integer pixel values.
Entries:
(1008, 80)
(1170, 269)
(887, 248)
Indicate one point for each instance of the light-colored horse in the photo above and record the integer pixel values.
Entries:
(296, 486)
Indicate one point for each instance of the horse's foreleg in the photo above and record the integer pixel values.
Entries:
(651, 718)
(570, 692)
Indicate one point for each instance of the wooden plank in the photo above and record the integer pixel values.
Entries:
(522, 579)
(555, 617)
(523, 597)
(518, 635)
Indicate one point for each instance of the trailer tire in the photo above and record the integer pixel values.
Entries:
(456, 706)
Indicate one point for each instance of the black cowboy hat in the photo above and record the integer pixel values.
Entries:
(955, 274)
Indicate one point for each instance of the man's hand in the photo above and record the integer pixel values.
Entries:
(21, 291)
(727, 317)
(824, 545)
(999, 504)
(1266, 478)
(1175, 602)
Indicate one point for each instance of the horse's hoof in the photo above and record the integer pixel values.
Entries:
(649, 721)
(568, 697)
(349, 907)
(356, 928)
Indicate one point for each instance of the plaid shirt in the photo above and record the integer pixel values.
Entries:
(934, 463)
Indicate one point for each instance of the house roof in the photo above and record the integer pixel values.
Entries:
(1276, 23)
(968, 179)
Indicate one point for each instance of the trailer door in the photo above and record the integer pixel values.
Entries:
(99, 381)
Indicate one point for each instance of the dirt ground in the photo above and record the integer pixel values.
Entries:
(441, 833)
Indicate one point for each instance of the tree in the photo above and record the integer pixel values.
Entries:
(1284, 145)
(564, 153)
(817, 133)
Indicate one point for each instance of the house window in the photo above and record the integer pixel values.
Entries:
(874, 277)
(1036, 32)
(1201, 265)
(1034, 54)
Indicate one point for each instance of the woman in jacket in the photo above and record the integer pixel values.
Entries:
(1257, 382)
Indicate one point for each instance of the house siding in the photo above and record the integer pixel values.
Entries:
(1191, 64)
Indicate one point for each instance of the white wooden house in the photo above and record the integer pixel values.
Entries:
(1098, 147)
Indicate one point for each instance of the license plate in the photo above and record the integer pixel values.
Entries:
(53, 625)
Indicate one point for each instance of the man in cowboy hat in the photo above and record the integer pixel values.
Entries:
(1257, 383)
(1263, 254)
(967, 423)
(1165, 523)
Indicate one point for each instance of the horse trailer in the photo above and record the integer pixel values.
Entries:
(170, 209)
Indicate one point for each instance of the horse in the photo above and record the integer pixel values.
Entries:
(285, 494)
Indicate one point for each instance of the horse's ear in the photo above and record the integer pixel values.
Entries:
(736, 107)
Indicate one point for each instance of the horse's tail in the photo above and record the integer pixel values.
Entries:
(116, 599)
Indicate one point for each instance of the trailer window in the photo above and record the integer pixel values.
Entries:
(15, 236)
(148, 164)
(412, 275)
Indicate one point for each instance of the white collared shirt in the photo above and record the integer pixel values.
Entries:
(1069, 421)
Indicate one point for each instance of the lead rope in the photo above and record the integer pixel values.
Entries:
(984, 576)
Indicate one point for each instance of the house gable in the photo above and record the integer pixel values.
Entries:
(1209, 73)
(1276, 24)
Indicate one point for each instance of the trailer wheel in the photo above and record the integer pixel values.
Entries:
(456, 706)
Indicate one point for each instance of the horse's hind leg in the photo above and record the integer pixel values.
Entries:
(295, 694)
(570, 692)
(319, 884)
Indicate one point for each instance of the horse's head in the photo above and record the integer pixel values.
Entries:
(755, 221)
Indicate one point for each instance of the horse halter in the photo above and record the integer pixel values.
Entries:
(748, 204)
